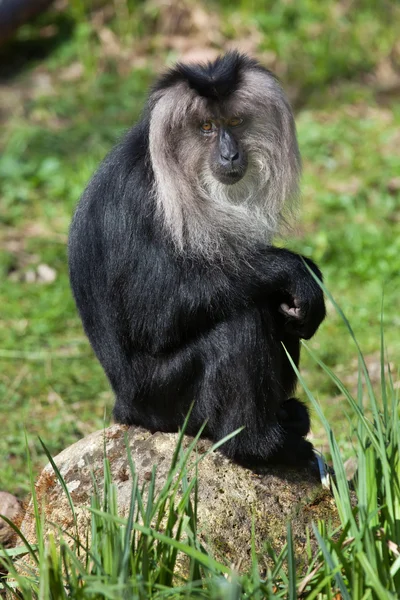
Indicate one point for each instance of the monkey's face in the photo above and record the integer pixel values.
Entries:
(224, 153)
(227, 157)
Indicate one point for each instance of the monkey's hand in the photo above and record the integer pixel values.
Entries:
(303, 306)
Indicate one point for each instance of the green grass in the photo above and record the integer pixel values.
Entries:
(54, 133)
(131, 558)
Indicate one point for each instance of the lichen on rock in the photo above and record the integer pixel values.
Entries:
(230, 497)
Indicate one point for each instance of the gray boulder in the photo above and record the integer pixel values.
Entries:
(229, 496)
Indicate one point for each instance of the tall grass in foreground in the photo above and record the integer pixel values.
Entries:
(130, 558)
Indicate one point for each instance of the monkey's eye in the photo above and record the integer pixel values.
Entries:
(235, 122)
(207, 126)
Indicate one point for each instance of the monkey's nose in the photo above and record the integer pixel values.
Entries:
(232, 158)
(228, 148)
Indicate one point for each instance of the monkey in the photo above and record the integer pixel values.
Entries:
(185, 301)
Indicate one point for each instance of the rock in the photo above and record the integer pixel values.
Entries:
(46, 274)
(350, 467)
(229, 496)
(12, 509)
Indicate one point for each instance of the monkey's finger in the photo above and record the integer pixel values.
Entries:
(290, 311)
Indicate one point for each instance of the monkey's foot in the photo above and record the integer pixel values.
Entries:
(294, 418)
(295, 452)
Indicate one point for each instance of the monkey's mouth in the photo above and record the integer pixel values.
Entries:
(230, 177)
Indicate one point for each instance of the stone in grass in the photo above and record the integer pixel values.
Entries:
(11, 508)
(229, 496)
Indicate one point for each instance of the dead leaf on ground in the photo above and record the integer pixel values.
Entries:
(349, 186)
(393, 185)
(73, 72)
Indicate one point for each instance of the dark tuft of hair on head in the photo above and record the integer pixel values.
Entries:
(215, 79)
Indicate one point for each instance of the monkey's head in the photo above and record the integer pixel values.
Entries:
(223, 150)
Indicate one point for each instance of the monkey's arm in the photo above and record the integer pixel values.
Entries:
(186, 303)
(298, 296)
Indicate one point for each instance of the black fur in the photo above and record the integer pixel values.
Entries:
(171, 330)
(215, 80)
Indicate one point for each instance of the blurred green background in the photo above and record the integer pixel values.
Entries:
(75, 78)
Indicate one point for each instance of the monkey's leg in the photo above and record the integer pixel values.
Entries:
(157, 392)
(242, 386)
(275, 424)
